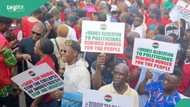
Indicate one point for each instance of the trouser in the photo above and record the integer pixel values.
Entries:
(29, 100)
(9, 101)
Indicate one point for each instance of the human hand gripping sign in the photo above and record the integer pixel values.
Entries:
(27, 57)
(101, 60)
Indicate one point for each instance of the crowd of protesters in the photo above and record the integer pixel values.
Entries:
(52, 35)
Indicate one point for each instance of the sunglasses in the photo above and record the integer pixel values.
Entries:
(64, 51)
(35, 33)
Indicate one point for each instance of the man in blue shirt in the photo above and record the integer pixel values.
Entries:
(161, 93)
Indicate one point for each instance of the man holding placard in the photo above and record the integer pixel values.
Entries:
(106, 38)
(161, 93)
(119, 85)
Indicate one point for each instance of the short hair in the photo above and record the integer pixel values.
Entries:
(46, 46)
(63, 29)
(41, 25)
(123, 66)
(9, 36)
(173, 35)
(5, 20)
(139, 15)
(74, 44)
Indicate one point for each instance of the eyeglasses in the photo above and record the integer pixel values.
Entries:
(38, 34)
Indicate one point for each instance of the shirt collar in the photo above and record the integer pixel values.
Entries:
(127, 91)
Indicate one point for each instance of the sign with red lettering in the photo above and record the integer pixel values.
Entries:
(155, 54)
(106, 99)
(103, 37)
(181, 11)
(173, 28)
(38, 80)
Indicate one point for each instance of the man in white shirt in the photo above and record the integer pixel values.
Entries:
(138, 25)
(76, 75)
(67, 32)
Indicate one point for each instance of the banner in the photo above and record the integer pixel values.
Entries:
(38, 80)
(173, 28)
(103, 37)
(181, 11)
(154, 54)
(99, 99)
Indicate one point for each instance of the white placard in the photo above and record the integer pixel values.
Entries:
(93, 98)
(154, 54)
(103, 37)
(38, 80)
(173, 28)
(181, 10)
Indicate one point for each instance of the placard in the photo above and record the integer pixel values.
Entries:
(38, 80)
(154, 54)
(181, 10)
(100, 99)
(103, 37)
(173, 28)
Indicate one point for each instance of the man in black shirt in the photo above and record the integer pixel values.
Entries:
(26, 51)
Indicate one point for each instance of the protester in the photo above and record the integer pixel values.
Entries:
(26, 46)
(28, 22)
(50, 26)
(78, 27)
(26, 51)
(76, 75)
(66, 31)
(61, 21)
(12, 40)
(102, 68)
(44, 48)
(138, 25)
(184, 87)
(161, 93)
(59, 44)
(185, 41)
(6, 99)
(119, 84)
(130, 37)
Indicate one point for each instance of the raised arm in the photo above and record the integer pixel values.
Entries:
(141, 89)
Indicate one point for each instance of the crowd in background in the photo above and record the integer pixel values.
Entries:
(52, 35)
